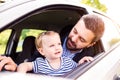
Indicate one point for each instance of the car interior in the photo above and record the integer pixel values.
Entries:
(55, 17)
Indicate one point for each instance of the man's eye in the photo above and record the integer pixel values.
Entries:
(82, 40)
(75, 32)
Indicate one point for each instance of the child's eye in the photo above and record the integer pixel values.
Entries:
(59, 43)
(51, 45)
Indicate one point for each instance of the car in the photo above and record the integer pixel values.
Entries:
(22, 20)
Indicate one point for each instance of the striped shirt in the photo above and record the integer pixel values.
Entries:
(42, 66)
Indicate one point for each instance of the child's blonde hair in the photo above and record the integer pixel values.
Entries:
(38, 40)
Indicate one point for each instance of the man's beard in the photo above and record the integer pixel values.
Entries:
(71, 45)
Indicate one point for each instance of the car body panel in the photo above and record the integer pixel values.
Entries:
(106, 69)
(13, 8)
(15, 75)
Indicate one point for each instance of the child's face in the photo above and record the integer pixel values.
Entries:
(51, 47)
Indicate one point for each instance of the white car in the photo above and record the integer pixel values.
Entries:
(23, 18)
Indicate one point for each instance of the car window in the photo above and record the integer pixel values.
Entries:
(24, 34)
(111, 34)
(4, 36)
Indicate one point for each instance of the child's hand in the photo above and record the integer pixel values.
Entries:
(86, 59)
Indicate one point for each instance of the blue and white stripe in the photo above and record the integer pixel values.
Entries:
(41, 66)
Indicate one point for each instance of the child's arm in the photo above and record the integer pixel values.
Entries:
(86, 59)
(24, 67)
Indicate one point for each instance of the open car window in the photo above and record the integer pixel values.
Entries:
(4, 38)
(25, 33)
(111, 35)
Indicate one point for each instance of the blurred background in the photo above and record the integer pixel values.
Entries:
(112, 9)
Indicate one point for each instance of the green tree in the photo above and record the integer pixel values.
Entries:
(95, 4)
(24, 33)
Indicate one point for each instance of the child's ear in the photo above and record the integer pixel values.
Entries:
(40, 50)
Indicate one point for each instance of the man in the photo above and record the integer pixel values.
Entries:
(7, 63)
(77, 43)
(79, 40)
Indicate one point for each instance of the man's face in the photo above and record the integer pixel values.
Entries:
(79, 37)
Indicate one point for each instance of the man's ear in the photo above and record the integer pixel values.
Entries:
(91, 44)
(40, 50)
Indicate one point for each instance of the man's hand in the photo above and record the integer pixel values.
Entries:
(85, 59)
(7, 63)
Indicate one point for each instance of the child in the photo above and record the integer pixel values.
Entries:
(49, 45)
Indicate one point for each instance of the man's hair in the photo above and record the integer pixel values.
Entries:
(39, 38)
(95, 24)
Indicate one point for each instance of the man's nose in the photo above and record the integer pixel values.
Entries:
(74, 38)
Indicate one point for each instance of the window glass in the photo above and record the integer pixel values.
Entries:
(24, 34)
(111, 35)
(4, 36)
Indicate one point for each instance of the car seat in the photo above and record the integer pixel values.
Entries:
(28, 49)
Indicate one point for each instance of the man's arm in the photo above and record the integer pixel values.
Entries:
(7, 63)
